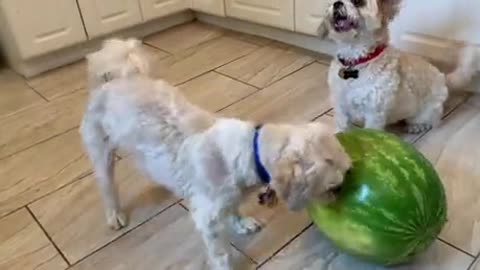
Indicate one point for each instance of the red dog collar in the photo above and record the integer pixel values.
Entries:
(364, 59)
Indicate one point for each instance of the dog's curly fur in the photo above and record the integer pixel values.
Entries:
(206, 159)
(394, 86)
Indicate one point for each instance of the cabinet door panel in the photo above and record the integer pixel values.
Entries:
(215, 7)
(153, 9)
(105, 16)
(39, 27)
(277, 13)
(309, 14)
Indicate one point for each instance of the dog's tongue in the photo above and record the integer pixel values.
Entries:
(344, 24)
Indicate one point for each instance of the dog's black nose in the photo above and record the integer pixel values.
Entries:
(338, 5)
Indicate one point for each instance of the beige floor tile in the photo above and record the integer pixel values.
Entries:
(15, 94)
(203, 58)
(454, 151)
(24, 246)
(299, 97)
(214, 91)
(279, 227)
(74, 216)
(476, 265)
(41, 122)
(186, 36)
(313, 251)
(169, 241)
(39, 170)
(267, 65)
(61, 81)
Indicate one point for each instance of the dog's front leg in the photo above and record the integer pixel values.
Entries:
(376, 120)
(342, 120)
(243, 225)
(210, 220)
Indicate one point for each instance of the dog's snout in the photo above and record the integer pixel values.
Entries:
(338, 5)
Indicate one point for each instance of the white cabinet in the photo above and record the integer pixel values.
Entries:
(38, 27)
(105, 16)
(433, 29)
(309, 14)
(153, 9)
(214, 7)
(277, 13)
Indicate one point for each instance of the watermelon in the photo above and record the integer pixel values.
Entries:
(392, 205)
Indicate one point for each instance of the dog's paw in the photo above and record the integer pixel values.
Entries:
(418, 128)
(246, 225)
(116, 219)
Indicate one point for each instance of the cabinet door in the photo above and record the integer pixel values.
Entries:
(215, 7)
(153, 9)
(105, 16)
(39, 27)
(277, 13)
(440, 28)
(309, 14)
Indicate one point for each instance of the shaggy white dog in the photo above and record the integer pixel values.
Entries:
(209, 160)
(373, 84)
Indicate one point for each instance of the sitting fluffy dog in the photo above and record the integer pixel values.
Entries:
(196, 155)
(374, 85)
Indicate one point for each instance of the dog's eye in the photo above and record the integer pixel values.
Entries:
(358, 3)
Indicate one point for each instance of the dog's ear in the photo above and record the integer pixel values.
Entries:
(389, 8)
(289, 182)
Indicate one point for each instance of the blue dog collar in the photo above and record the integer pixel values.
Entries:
(261, 171)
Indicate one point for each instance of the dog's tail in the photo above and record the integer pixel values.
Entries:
(467, 67)
(117, 59)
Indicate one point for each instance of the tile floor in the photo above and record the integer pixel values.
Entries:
(50, 212)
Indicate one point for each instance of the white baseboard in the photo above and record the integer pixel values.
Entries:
(300, 40)
(31, 67)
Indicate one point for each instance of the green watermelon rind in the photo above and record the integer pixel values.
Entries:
(398, 239)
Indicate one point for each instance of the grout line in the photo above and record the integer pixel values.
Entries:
(291, 73)
(208, 71)
(39, 142)
(36, 92)
(235, 79)
(285, 245)
(321, 115)
(323, 62)
(244, 254)
(158, 49)
(183, 206)
(455, 247)
(125, 233)
(186, 49)
(472, 264)
(48, 236)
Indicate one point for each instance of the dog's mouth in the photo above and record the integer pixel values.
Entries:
(334, 193)
(343, 23)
